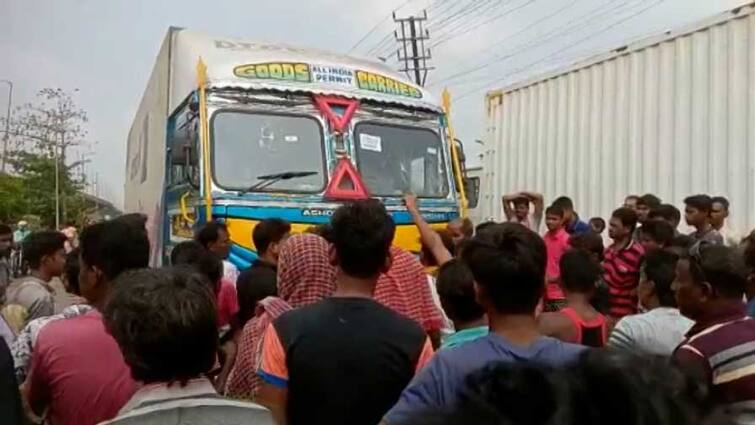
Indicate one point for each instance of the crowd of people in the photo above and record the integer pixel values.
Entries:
(489, 324)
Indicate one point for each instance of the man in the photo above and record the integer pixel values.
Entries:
(46, 257)
(10, 400)
(77, 373)
(597, 225)
(456, 292)
(556, 243)
(574, 226)
(22, 231)
(717, 350)
(749, 256)
(719, 214)
(516, 206)
(508, 263)
(214, 237)
(645, 204)
(260, 280)
(6, 241)
(697, 210)
(631, 202)
(661, 329)
(622, 265)
(164, 323)
(460, 229)
(668, 213)
(655, 235)
(345, 359)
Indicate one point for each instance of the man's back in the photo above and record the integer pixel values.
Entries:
(657, 332)
(195, 403)
(436, 387)
(33, 294)
(78, 370)
(346, 360)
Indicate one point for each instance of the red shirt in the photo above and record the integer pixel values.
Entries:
(622, 275)
(556, 243)
(78, 371)
(228, 303)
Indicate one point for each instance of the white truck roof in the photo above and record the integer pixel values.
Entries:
(239, 64)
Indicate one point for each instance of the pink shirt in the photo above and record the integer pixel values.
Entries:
(228, 303)
(556, 244)
(78, 371)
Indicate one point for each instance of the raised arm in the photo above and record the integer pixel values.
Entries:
(539, 203)
(430, 237)
(507, 201)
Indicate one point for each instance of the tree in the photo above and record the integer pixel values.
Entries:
(44, 133)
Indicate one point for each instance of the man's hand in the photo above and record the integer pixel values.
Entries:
(410, 200)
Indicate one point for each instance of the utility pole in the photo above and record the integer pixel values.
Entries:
(7, 124)
(412, 40)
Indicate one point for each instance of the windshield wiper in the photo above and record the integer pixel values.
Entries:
(271, 179)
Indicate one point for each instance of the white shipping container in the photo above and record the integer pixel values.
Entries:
(672, 115)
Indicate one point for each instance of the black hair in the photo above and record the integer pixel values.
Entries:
(164, 322)
(720, 200)
(210, 232)
(522, 200)
(269, 231)
(482, 226)
(601, 386)
(627, 216)
(590, 242)
(508, 261)
(749, 249)
(599, 221)
(702, 203)
(555, 210)
(666, 212)
(658, 230)
(634, 197)
(579, 272)
(114, 247)
(5, 229)
(565, 203)
(682, 241)
(649, 200)
(362, 235)
(138, 221)
(660, 268)
(42, 244)
(455, 286)
(724, 269)
(206, 263)
(71, 271)
(448, 241)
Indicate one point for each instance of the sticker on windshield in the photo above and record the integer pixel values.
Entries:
(291, 139)
(370, 143)
(432, 151)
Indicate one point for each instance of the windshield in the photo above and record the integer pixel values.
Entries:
(394, 160)
(249, 145)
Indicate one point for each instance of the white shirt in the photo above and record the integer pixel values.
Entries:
(230, 272)
(731, 237)
(657, 332)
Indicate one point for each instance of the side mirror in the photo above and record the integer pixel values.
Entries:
(472, 191)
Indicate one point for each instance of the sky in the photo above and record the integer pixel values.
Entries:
(106, 48)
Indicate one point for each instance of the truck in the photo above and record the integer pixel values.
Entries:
(239, 131)
(673, 115)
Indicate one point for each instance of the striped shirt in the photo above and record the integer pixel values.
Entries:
(622, 275)
(720, 349)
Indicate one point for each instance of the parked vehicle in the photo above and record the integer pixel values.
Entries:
(672, 115)
(240, 131)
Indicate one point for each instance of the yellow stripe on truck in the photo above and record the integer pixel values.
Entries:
(407, 235)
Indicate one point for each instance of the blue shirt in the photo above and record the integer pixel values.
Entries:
(578, 227)
(436, 388)
(462, 337)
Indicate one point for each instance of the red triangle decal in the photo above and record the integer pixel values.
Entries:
(345, 184)
(339, 122)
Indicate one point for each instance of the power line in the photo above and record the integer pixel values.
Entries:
(474, 26)
(561, 30)
(377, 25)
(475, 13)
(572, 45)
